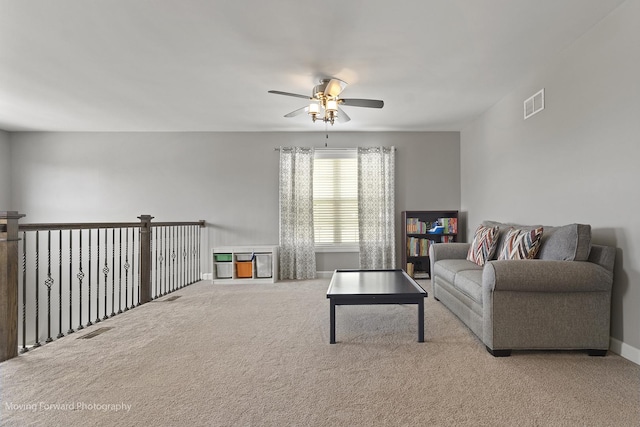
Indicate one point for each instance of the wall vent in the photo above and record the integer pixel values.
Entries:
(534, 104)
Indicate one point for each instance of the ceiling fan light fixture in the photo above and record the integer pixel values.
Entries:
(314, 108)
(331, 110)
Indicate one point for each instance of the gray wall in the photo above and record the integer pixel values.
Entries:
(228, 179)
(577, 160)
(5, 172)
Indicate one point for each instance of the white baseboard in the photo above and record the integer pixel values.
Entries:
(625, 350)
(207, 276)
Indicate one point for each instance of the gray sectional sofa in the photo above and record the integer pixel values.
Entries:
(560, 300)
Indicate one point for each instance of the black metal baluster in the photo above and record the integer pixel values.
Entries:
(70, 331)
(80, 277)
(176, 260)
(173, 258)
(24, 293)
(154, 264)
(183, 247)
(155, 244)
(187, 249)
(60, 334)
(164, 279)
(158, 245)
(133, 265)
(181, 256)
(198, 269)
(166, 261)
(184, 256)
(37, 343)
(48, 283)
(161, 259)
(193, 256)
(187, 252)
(98, 277)
(126, 271)
(120, 273)
(89, 322)
(113, 274)
(189, 255)
(105, 271)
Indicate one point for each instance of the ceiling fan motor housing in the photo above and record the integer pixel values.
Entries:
(318, 91)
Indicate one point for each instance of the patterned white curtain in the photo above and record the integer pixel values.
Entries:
(297, 247)
(376, 207)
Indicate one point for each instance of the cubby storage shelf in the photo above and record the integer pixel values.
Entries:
(244, 264)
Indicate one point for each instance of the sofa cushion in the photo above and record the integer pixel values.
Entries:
(567, 243)
(521, 244)
(469, 282)
(484, 245)
(448, 268)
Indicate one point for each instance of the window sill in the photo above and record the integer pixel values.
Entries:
(344, 247)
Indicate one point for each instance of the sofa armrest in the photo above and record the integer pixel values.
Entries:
(545, 276)
(438, 251)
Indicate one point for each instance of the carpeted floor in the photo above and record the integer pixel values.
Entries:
(259, 355)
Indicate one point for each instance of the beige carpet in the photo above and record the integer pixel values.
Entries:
(242, 355)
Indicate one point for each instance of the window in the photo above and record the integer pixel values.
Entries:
(335, 199)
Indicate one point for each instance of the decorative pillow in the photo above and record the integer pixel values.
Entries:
(503, 229)
(521, 244)
(484, 245)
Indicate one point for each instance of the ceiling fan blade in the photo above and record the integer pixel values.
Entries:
(334, 88)
(369, 103)
(277, 92)
(298, 112)
(342, 116)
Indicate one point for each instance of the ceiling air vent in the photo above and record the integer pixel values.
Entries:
(534, 104)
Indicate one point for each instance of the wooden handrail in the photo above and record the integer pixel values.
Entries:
(76, 226)
(98, 225)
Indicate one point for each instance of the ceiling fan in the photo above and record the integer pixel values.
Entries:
(325, 102)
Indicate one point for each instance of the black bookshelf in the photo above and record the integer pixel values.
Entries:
(420, 232)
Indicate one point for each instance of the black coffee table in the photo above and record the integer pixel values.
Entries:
(364, 287)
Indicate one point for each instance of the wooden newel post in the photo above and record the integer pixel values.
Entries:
(9, 284)
(145, 258)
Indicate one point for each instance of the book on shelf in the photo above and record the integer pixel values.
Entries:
(420, 275)
(410, 269)
(415, 226)
(417, 246)
(450, 225)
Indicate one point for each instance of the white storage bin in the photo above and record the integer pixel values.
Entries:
(244, 257)
(224, 270)
(263, 265)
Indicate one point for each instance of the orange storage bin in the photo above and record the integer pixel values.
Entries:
(244, 269)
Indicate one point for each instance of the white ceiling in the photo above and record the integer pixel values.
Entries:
(189, 65)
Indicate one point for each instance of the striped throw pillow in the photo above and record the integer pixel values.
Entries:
(521, 244)
(484, 245)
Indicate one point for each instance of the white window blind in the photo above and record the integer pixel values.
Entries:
(335, 197)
